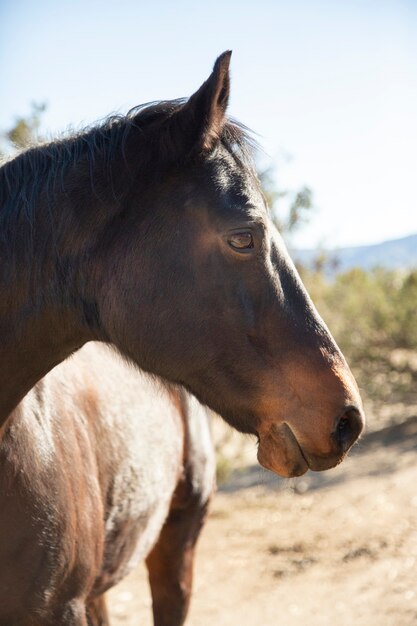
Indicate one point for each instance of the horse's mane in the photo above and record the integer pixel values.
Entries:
(43, 167)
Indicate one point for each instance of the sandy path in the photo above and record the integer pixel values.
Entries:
(344, 552)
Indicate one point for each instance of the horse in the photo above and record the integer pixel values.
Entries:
(100, 469)
(150, 233)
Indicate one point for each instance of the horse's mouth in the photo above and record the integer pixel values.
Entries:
(280, 452)
(302, 455)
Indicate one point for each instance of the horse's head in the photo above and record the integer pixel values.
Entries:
(203, 293)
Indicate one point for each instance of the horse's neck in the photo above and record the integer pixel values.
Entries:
(37, 329)
(29, 349)
(46, 299)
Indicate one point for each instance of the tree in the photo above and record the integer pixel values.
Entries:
(25, 131)
(299, 203)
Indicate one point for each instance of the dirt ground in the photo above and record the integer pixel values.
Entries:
(335, 548)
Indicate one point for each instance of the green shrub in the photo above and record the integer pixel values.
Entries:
(372, 315)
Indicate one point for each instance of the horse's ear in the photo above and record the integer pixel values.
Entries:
(198, 124)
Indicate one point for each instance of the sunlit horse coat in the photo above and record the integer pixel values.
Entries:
(93, 462)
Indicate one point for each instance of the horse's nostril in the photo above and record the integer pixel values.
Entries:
(348, 428)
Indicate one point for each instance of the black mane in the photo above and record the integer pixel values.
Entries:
(43, 168)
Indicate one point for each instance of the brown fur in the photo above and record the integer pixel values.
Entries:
(95, 464)
(122, 235)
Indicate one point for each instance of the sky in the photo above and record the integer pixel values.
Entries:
(330, 88)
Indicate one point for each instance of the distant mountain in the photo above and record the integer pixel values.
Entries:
(392, 254)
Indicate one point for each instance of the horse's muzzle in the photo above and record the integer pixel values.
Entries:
(281, 451)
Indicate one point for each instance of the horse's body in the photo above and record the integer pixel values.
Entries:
(89, 466)
(150, 233)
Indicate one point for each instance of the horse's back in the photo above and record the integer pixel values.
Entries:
(89, 464)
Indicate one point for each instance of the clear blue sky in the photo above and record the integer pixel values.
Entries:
(332, 83)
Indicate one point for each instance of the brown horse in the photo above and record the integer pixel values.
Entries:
(100, 468)
(151, 233)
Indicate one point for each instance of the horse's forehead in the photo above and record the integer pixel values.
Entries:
(226, 171)
(236, 181)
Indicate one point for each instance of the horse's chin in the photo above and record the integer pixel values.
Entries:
(280, 452)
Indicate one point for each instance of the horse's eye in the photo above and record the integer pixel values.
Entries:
(240, 241)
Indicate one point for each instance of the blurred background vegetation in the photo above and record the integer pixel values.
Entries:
(372, 313)
(24, 132)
